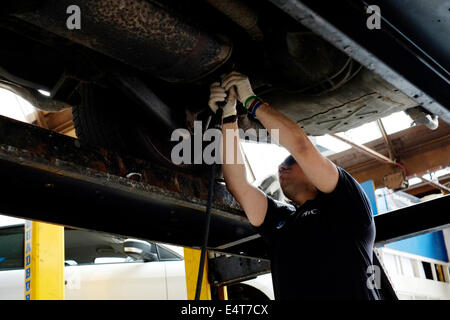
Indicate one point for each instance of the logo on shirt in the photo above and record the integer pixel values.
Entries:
(281, 224)
(309, 213)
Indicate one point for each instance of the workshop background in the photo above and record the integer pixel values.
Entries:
(97, 267)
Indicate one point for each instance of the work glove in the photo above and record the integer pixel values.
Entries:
(241, 83)
(219, 94)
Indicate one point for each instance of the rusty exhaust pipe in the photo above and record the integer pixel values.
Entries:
(241, 14)
(142, 34)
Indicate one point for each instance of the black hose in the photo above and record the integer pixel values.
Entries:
(212, 176)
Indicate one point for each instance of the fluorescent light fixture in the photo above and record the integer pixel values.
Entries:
(44, 93)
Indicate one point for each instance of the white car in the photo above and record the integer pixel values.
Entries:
(102, 266)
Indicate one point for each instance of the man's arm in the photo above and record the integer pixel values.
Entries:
(251, 199)
(321, 172)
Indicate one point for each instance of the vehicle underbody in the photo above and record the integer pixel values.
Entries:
(136, 69)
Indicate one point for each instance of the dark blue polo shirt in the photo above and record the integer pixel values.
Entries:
(322, 250)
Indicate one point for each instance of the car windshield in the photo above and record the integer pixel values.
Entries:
(11, 247)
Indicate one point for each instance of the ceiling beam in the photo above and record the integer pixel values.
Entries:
(370, 152)
(387, 140)
(415, 162)
(435, 184)
(381, 158)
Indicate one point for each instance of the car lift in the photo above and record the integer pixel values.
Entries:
(74, 185)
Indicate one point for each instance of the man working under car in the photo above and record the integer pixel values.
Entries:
(322, 247)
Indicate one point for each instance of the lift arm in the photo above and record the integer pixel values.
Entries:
(49, 177)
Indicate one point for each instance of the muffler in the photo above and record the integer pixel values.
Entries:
(141, 33)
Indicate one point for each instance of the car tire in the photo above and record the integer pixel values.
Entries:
(107, 118)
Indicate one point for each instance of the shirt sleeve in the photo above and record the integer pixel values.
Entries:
(277, 212)
(348, 202)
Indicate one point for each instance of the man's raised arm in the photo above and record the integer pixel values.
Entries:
(320, 171)
(252, 200)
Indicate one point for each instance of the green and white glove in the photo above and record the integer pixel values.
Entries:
(241, 83)
(219, 94)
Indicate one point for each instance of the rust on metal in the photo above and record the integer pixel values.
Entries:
(36, 147)
(241, 14)
(143, 34)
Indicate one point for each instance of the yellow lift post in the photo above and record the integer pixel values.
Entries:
(44, 261)
(192, 261)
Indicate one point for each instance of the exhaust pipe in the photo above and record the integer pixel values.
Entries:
(241, 14)
(142, 34)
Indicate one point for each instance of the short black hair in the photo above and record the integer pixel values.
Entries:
(289, 161)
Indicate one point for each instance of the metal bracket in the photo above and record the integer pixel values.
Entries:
(226, 270)
(71, 184)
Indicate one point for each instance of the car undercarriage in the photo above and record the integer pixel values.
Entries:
(135, 70)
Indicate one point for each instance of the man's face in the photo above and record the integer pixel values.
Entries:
(292, 178)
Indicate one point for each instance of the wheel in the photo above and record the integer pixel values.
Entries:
(106, 118)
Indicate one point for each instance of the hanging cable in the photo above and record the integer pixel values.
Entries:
(217, 119)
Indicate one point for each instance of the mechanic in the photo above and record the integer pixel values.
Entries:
(321, 247)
